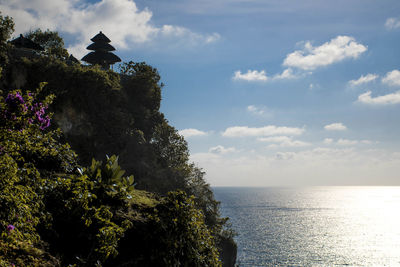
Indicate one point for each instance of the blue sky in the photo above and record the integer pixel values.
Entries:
(265, 92)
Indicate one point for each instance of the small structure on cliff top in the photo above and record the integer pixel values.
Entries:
(25, 43)
(101, 54)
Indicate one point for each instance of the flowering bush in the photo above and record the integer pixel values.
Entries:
(10, 228)
(20, 112)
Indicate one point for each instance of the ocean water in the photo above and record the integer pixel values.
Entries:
(315, 226)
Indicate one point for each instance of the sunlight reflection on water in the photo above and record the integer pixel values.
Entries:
(315, 226)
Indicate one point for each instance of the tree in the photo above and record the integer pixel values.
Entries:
(141, 83)
(52, 43)
(204, 197)
(6, 29)
(175, 235)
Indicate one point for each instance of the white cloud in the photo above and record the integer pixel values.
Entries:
(221, 150)
(282, 141)
(187, 133)
(328, 141)
(294, 143)
(337, 49)
(366, 142)
(259, 110)
(392, 78)
(255, 110)
(254, 75)
(275, 139)
(242, 131)
(346, 142)
(388, 99)
(286, 74)
(251, 75)
(285, 155)
(211, 38)
(364, 79)
(392, 23)
(120, 20)
(338, 126)
(172, 31)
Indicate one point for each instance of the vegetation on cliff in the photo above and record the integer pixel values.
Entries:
(54, 211)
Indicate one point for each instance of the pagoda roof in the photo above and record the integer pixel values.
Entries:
(22, 42)
(101, 57)
(100, 38)
(100, 47)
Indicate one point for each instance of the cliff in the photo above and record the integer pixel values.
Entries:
(105, 113)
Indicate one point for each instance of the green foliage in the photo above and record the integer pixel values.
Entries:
(82, 218)
(44, 201)
(170, 147)
(109, 179)
(141, 84)
(170, 156)
(52, 43)
(173, 233)
(28, 154)
(205, 200)
(6, 29)
(183, 232)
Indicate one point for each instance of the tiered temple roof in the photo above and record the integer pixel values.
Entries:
(101, 54)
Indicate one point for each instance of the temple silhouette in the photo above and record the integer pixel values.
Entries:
(101, 54)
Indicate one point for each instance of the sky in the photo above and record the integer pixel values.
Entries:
(266, 92)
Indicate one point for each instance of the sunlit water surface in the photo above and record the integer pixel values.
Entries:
(316, 226)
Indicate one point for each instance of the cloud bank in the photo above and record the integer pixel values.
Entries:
(315, 166)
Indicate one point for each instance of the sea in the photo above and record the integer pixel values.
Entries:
(314, 226)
